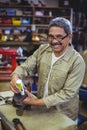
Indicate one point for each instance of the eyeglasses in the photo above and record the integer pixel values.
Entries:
(57, 37)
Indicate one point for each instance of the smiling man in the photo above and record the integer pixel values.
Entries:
(60, 71)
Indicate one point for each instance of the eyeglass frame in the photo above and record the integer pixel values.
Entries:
(55, 37)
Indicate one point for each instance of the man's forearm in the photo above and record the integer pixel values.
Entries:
(33, 101)
(14, 75)
(38, 102)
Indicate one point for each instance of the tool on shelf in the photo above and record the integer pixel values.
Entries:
(10, 56)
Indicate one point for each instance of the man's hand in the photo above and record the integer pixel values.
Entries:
(33, 100)
(13, 85)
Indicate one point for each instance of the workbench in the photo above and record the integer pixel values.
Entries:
(38, 118)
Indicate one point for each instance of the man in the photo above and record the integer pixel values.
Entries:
(60, 71)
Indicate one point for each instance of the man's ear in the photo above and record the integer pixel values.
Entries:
(70, 36)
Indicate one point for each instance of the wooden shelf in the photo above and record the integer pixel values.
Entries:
(13, 43)
(5, 75)
(11, 25)
(5, 78)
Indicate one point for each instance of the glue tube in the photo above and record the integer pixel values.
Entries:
(20, 85)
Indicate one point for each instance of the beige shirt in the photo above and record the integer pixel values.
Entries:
(65, 78)
(54, 59)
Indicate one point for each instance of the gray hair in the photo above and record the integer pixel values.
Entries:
(61, 22)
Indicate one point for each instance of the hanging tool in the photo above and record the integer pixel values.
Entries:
(18, 124)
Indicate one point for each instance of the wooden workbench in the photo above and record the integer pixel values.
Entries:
(39, 118)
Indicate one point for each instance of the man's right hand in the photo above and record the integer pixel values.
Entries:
(13, 85)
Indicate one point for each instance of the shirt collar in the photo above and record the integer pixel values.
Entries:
(67, 54)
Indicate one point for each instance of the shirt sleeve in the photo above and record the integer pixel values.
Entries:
(27, 68)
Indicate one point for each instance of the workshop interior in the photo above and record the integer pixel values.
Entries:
(23, 28)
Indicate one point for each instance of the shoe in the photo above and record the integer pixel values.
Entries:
(42, 2)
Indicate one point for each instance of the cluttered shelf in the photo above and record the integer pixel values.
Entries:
(25, 16)
(17, 22)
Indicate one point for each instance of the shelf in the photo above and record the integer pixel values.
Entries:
(5, 75)
(13, 26)
(22, 25)
(5, 78)
(5, 72)
(15, 16)
(13, 43)
(21, 58)
(44, 16)
(15, 6)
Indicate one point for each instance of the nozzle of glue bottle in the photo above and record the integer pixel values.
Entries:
(20, 85)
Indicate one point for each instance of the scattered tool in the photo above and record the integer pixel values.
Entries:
(18, 124)
(7, 100)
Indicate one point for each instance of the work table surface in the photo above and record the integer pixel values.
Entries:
(39, 118)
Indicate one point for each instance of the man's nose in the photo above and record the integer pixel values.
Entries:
(54, 39)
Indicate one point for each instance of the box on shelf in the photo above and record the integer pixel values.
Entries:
(16, 21)
(11, 12)
(25, 21)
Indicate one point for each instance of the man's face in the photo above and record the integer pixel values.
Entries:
(58, 40)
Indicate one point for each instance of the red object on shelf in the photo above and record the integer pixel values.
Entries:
(7, 21)
(11, 53)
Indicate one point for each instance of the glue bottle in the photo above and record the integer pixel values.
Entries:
(20, 85)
